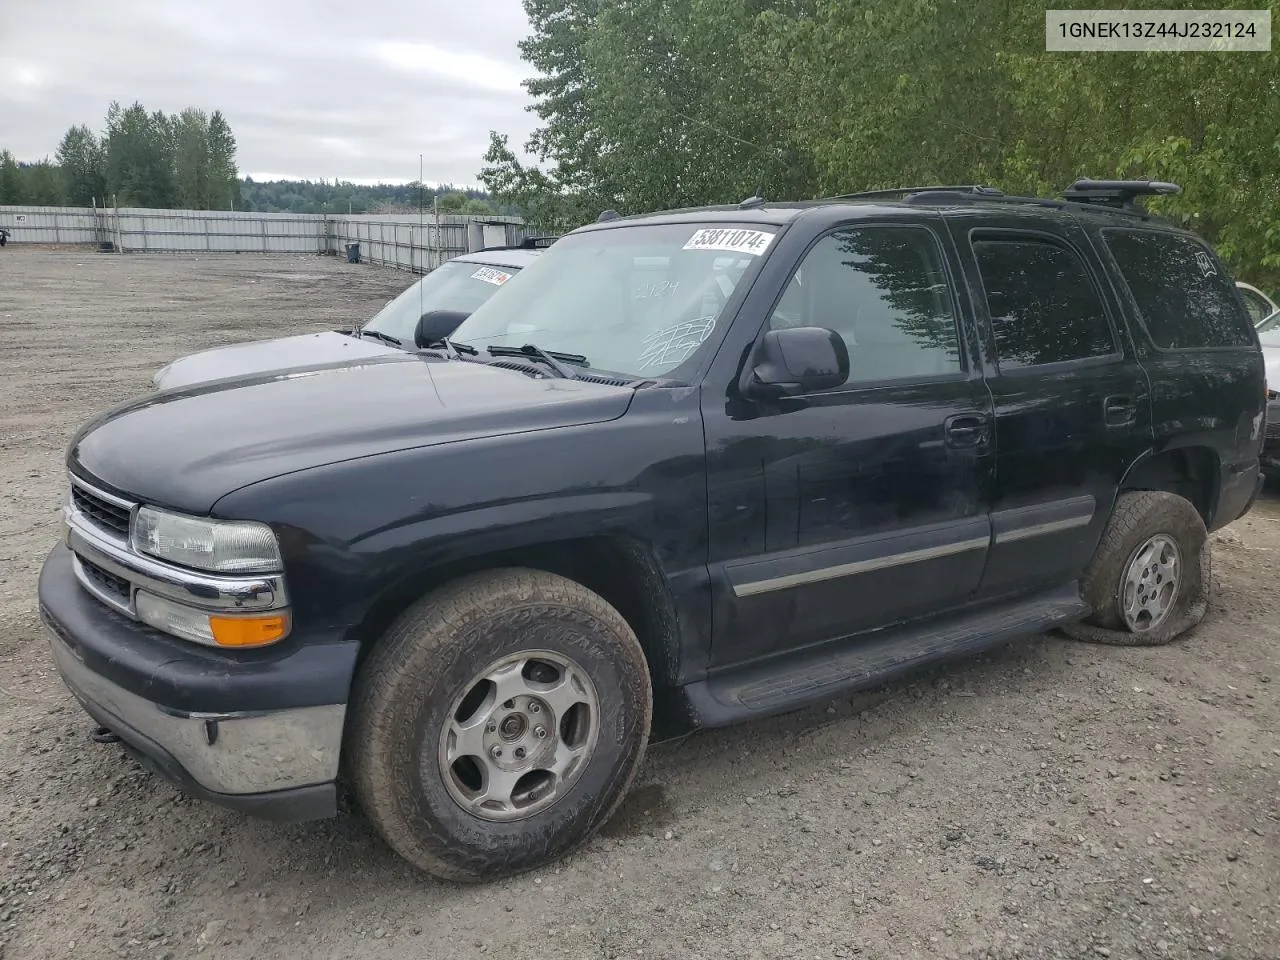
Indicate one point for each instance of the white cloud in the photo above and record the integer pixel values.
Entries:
(312, 88)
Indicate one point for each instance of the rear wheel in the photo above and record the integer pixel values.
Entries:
(499, 723)
(1149, 580)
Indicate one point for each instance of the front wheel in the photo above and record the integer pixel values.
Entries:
(1149, 580)
(499, 723)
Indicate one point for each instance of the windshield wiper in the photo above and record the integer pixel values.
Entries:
(379, 335)
(453, 351)
(551, 358)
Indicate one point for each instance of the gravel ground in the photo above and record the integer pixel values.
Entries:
(1050, 800)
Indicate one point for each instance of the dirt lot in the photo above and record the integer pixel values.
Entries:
(1051, 800)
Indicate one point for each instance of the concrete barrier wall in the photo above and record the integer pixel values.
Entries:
(413, 243)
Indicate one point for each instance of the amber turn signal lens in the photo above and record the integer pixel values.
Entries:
(248, 631)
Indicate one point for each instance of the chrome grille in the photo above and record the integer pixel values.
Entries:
(107, 582)
(1273, 431)
(101, 512)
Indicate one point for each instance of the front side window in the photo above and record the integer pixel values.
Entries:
(1042, 302)
(884, 290)
(453, 285)
(1185, 298)
(637, 301)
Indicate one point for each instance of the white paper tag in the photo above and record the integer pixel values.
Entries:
(491, 275)
(754, 242)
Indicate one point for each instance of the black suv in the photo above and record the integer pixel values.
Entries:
(695, 467)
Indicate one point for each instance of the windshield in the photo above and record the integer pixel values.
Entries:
(453, 285)
(637, 301)
(1270, 325)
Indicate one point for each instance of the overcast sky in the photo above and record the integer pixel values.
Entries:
(353, 90)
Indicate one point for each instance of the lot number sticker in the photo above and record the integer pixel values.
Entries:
(754, 242)
(490, 275)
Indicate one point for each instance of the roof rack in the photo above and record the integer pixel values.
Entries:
(968, 189)
(1117, 193)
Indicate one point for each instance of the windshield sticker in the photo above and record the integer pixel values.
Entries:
(671, 346)
(754, 242)
(491, 275)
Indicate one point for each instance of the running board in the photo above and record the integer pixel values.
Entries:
(833, 670)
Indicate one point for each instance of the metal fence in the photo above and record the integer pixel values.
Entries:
(414, 243)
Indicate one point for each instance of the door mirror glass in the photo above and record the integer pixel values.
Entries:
(797, 360)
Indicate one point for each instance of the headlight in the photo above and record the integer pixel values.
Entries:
(219, 546)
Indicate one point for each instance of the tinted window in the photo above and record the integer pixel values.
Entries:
(884, 291)
(1044, 307)
(1183, 295)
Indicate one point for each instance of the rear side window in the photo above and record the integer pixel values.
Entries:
(1043, 304)
(1184, 297)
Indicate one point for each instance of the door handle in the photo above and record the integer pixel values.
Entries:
(1118, 411)
(965, 429)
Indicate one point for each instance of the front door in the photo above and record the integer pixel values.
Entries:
(1072, 403)
(867, 503)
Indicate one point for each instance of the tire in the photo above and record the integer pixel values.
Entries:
(1147, 521)
(416, 681)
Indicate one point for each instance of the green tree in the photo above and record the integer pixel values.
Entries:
(10, 179)
(224, 185)
(139, 157)
(646, 104)
(81, 161)
(192, 160)
(452, 202)
(41, 183)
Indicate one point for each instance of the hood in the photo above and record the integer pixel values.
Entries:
(267, 356)
(187, 448)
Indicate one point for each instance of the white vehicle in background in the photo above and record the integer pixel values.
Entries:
(1259, 305)
(448, 294)
(1269, 337)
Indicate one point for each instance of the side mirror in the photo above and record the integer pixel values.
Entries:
(798, 360)
(435, 325)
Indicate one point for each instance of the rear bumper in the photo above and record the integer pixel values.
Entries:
(1241, 484)
(280, 764)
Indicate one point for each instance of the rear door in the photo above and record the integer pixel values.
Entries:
(1072, 403)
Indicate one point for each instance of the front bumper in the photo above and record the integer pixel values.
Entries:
(203, 723)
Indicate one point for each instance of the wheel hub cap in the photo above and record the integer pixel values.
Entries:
(519, 736)
(1149, 584)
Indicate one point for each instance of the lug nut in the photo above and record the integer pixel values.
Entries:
(495, 752)
(540, 732)
(534, 708)
(519, 753)
(490, 727)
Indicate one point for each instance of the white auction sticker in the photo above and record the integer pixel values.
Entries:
(490, 275)
(754, 242)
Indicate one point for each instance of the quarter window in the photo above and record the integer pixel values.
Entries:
(1184, 296)
(884, 290)
(1043, 305)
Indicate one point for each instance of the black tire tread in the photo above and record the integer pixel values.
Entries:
(431, 631)
(1138, 514)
